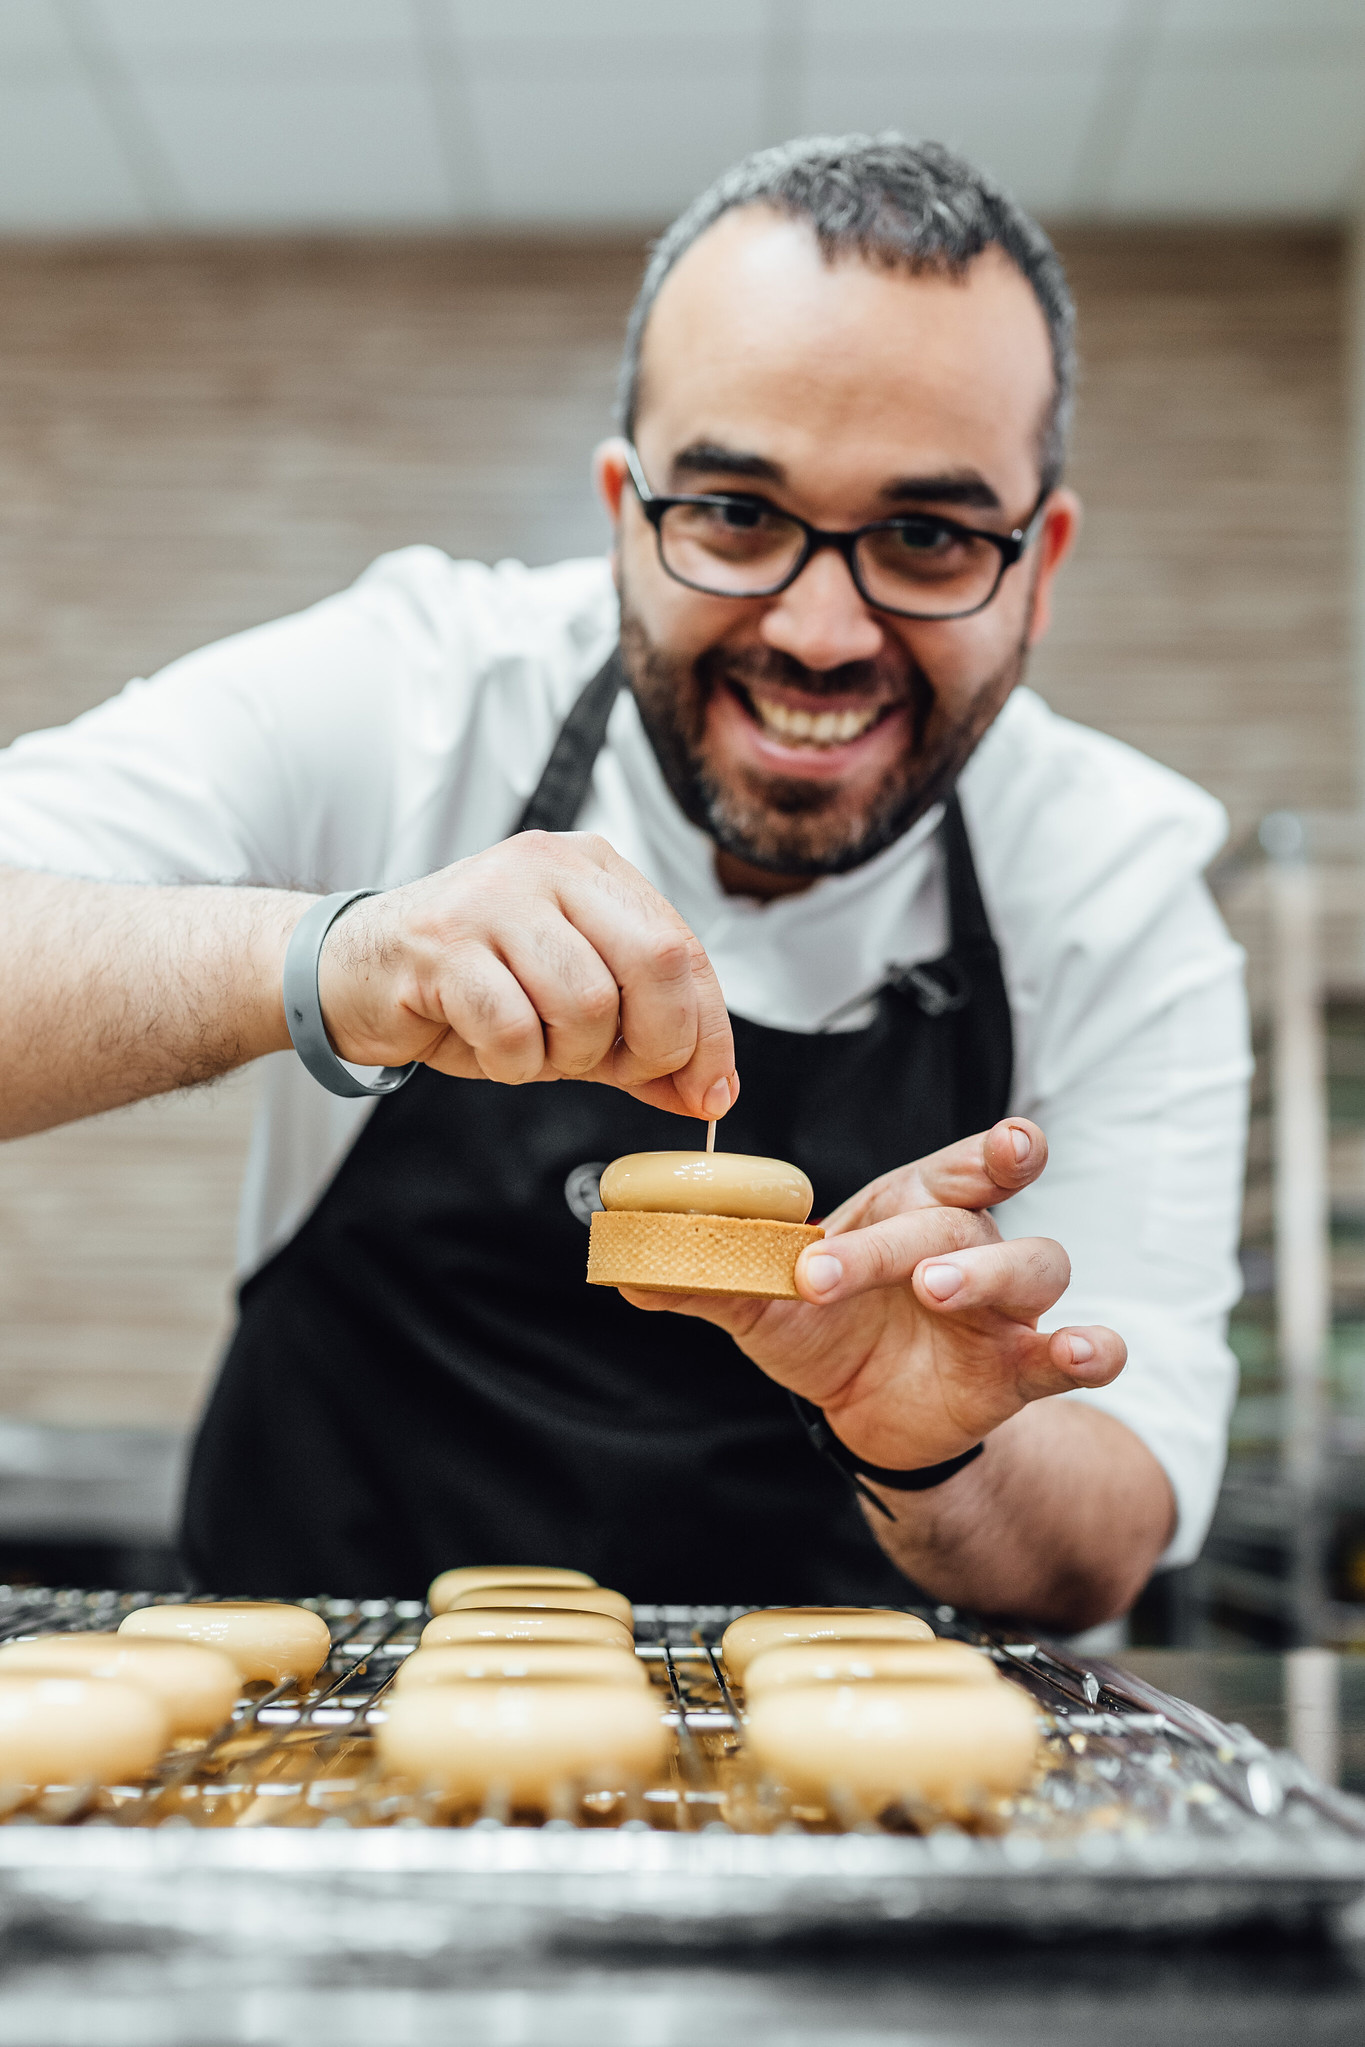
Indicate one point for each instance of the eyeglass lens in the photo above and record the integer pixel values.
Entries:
(740, 548)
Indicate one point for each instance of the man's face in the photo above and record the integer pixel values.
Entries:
(845, 394)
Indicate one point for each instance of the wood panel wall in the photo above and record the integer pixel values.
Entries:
(197, 437)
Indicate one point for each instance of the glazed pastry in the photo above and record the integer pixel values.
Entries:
(477, 1577)
(945, 1745)
(197, 1687)
(775, 1626)
(701, 1222)
(525, 1741)
(266, 1640)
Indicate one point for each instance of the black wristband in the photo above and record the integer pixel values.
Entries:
(857, 1469)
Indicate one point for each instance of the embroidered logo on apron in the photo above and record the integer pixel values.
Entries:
(580, 1189)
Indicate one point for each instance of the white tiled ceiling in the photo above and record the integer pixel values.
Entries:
(334, 113)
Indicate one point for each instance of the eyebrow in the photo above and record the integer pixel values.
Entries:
(709, 458)
(951, 487)
(956, 487)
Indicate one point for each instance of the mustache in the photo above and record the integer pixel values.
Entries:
(751, 667)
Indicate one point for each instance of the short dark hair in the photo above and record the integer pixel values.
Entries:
(911, 205)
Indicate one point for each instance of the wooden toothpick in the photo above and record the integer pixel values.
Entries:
(710, 1137)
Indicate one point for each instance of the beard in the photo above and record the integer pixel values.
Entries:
(789, 824)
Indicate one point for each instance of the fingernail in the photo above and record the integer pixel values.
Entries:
(1082, 1349)
(1022, 1142)
(734, 1089)
(716, 1100)
(943, 1280)
(821, 1272)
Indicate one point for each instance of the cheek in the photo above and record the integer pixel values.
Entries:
(679, 622)
(964, 657)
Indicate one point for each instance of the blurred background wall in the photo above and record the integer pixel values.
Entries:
(284, 283)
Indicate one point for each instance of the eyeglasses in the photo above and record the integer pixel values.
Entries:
(920, 565)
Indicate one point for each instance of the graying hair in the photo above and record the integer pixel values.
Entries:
(905, 205)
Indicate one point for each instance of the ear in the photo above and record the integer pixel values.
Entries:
(1061, 525)
(610, 474)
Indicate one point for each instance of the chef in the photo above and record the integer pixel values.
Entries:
(754, 821)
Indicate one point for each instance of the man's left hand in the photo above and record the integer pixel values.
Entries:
(917, 1328)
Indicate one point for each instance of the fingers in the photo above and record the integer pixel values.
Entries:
(546, 955)
(947, 1257)
(1020, 1279)
(569, 989)
(1086, 1357)
(887, 1253)
(673, 1019)
(1066, 1361)
(488, 1009)
(978, 1172)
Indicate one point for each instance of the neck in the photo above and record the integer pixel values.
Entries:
(741, 878)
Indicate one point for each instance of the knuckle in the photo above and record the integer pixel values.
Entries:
(879, 1260)
(964, 1229)
(599, 1003)
(666, 953)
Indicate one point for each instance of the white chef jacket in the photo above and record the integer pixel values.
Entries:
(402, 724)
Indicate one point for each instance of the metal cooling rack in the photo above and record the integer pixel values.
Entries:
(1146, 1813)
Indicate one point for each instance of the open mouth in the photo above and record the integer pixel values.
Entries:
(818, 729)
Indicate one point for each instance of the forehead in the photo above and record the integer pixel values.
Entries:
(757, 341)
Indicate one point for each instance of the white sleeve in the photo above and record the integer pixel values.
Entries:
(295, 755)
(1144, 1106)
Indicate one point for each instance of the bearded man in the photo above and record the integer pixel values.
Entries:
(762, 797)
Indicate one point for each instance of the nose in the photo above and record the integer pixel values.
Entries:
(820, 620)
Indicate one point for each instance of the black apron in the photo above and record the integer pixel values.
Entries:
(422, 1377)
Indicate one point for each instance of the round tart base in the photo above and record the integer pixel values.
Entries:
(697, 1254)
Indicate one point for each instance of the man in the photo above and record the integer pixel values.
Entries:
(822, 842)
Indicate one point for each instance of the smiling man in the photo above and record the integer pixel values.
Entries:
(761, 798)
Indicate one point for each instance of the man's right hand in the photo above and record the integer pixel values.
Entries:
(547, 957)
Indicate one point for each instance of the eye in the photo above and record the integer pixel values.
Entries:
(741, 515)
(926, 536)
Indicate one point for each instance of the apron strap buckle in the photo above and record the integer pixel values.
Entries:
(940, 993)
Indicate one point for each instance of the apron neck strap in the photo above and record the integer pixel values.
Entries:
(563, 787)
(968, 924)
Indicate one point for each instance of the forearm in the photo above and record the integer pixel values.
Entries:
(113, 992)
(1060, 1521)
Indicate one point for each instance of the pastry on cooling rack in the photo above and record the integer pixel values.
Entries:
(949, 1746)
(549, 1599)
(197, 1686)
(522, 1662)
(869, 1662)
(525, 1624)
(264, 1638)
(77, 1730)
(778, 1626)
(446, 1588)
(527, 1742)
(701, 1222)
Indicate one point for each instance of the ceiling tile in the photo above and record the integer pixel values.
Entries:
(1234, 21)
(298, 151)
(32, 28)
(1027, 131)
(1243, 139)
(617, 147)
(59, 167)
(620, 25)
(985, 25)
(172, 26)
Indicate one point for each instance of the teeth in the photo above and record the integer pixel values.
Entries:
(829, 728)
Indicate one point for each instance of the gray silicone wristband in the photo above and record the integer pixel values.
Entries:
(303, 1004)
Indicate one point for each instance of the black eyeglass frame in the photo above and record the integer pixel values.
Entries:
(1010, 546)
